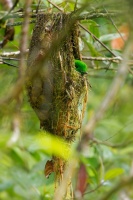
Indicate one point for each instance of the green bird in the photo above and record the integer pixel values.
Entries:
(81, 67)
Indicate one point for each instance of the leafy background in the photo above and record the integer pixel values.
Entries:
(22, 162)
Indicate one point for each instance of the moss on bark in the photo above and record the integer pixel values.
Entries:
(57, 92)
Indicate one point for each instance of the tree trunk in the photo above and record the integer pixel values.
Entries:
(57, 92)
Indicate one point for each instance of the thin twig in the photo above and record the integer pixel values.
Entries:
(75, 6)
(131, 72)
(105, 143)
(21, 71)
(99, 76)
(6, 14)
(113, 59)
(14, 54)
(120, 130)
(91, 68)
(85, 16)
(112, 92)
(14, 59)
(9, 64)
(95, 15)
(95, 189)
(37, 9)
(88, 192)
(19, 15)
(2, 61)
(20, 23)
(87, 31)
(92, 35)
(115, 25)
(55, 5)
(121, 184)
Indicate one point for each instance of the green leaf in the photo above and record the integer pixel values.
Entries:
(93, 27)
(92, 49)
(113, 173)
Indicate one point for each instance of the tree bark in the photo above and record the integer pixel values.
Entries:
(58, 93)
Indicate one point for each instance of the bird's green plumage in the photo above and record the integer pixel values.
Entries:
(81, 67)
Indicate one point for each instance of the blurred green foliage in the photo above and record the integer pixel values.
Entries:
(22, 163)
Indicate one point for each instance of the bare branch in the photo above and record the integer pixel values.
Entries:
(55, 5)
(24, 38)
(20, 23)
(14, 54)
(113, 59)
(75, 6)
(6, 63)
(93, 36)
(86, 16)
(115, 26)
(95, 15)
(112, 92)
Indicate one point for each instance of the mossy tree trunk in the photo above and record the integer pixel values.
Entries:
(57, 92)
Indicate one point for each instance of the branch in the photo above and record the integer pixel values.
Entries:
(121, 184)
(12, 7)
(86, 30)
(95, 189)
(112, 92)
(95, 15)
(55, 6)
(20, 23)
(19, 15)
(86, 16)
(14, 54)
(23, 49)
(115, 26)
(121, 145)
(100, 76)
(113, 59)
(24, 38)
(93, 36)
(6, 63)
